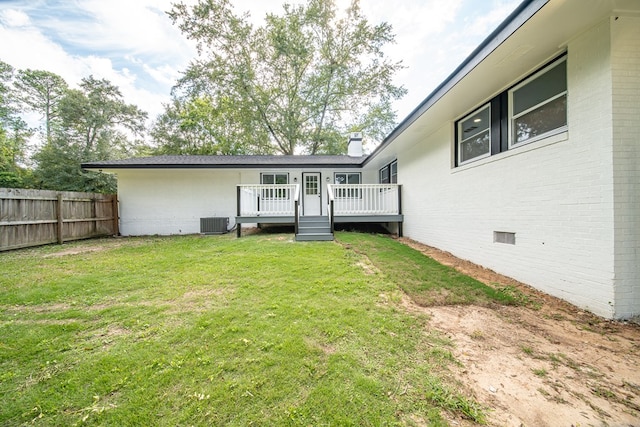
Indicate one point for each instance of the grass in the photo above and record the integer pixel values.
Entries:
(425, 280)
(223, 331)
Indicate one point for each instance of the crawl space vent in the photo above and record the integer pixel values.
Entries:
(504, 237)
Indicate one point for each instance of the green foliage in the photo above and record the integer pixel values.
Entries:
(93, 123)
(59, 169)
(204, 127)
(41, 91)
(79, 125)
(14, 134)
(299, 83)
(214, 331)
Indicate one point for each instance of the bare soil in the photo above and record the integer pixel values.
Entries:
(547, 363)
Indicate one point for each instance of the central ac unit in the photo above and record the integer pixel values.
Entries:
(214, 225)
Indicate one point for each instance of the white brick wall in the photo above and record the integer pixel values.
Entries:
(555, 194)
(625, 65)
(172, 201)
(167, 202)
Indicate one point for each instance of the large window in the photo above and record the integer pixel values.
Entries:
(389, 173)
(529, 111)
(539, 104)
(274, 178)
(346, 178)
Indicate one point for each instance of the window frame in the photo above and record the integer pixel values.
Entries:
(512, 118)
(459, 133)
(271, 193)
(344, 193)
(501, 116)
(393, 177)
(388, 169)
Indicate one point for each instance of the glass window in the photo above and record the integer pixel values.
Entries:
(274, 179)
(347, 178)
(394, 172)
(389, 173)
(384, 175)
(532, 109)
(539, 104)
(341, 178)
(311, 185)
(474, 135)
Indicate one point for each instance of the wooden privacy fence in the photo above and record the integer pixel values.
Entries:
(39, 217)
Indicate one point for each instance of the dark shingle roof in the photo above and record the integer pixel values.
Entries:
(222, 162)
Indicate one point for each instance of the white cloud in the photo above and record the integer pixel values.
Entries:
(166, 74)
(14, 18)
(133, 43)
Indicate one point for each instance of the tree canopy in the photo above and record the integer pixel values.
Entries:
(92, 122)
(14, 133)
(297, 84)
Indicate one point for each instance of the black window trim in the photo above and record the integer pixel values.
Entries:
(501, 117)
(388, 169)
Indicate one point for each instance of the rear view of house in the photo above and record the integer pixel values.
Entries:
(525, 160)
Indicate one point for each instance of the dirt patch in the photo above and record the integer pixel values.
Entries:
(74, 251)
(547, 364)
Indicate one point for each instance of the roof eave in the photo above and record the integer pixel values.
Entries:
(515, 20)
(106, 166)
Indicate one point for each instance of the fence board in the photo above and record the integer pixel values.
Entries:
(40, 217)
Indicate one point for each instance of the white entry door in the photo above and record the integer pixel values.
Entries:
(311, 204)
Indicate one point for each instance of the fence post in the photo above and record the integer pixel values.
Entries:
(60, 219)
(400, 209)
(116, 217)
(94, 214)
(238, 206)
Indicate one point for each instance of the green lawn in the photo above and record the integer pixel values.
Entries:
(223, 331)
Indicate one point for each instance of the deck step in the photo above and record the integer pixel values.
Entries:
(314, 237)
(314, 228)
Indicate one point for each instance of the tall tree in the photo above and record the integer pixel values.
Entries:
(14, 134)
(202, 126)
(41, 91)
(302, 81)
(94, 124)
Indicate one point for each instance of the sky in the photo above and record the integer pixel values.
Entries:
(134, 44)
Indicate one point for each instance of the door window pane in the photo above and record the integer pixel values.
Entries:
(311, 184)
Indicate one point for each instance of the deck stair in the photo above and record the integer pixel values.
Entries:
(314, 228)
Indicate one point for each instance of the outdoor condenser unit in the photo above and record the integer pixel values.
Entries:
(214, 225)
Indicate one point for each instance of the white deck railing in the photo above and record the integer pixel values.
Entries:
(365, 199)
(267, 199)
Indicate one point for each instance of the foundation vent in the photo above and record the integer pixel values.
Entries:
(504, 237)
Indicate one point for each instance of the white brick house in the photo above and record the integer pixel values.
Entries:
(525, 160)
(568, 200)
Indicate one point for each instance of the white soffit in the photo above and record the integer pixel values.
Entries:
(542, 37)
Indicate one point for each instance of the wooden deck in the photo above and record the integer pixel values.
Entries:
(351, 203)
